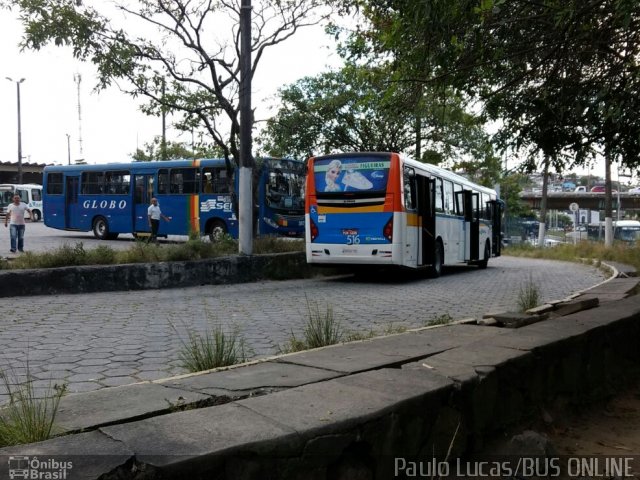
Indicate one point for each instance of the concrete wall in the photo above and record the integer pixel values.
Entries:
(106, 278)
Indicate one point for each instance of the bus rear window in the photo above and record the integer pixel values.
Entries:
(356, 174)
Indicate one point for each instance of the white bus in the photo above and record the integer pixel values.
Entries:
(386, 209)
(31, 194)
(624, 230)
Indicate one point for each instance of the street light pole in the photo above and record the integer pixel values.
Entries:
(68, 149)
(18, 82)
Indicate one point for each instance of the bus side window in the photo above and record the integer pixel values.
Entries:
(409, 189)
(475, 205)
(488, 211)
(448, 197)
(163, 181)
(36, 195)
(459, 199)
(439, 205)
(185, 180)
(220, 184)
(54, 183)
(117, 183)
(214, 180)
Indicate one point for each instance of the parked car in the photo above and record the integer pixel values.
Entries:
(600, 189)
(580, 188)
(634, 190)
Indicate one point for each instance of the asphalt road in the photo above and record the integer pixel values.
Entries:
(39, 238)
(92, 341)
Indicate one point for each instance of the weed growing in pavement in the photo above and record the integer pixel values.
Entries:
(443, 319)
(528, 296)
(359, 336)
(196, 248)
(321, 329)
(213, 349)
(30, 415)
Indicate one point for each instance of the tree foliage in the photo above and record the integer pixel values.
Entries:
(561, 75)
(361, 108)
(157, 151)
(184, 58)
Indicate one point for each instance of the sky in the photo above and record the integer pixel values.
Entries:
(111, 126)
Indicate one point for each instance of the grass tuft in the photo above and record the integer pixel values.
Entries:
(321, 330)
(30, 415)
(528, 296)
(213, 349)
(443, 319)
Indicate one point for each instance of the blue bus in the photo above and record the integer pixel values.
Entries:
(111, 199)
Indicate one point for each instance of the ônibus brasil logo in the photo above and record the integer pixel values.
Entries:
(36, 469)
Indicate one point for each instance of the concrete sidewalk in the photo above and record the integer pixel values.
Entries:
(346, 411)
(99, 340)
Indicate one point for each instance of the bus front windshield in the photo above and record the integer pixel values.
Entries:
(351, 174)
(628, 234)
(285, 187)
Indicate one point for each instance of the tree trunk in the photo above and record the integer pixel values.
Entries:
(608, 209)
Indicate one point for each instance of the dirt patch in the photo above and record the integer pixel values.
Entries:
(605, 428)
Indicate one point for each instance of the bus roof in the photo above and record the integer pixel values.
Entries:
(202, 162)
(20, 185)
(447, 174)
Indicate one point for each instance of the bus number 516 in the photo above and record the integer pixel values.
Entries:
(352, 236)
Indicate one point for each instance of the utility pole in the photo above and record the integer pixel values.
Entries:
(245, 204)
(18, 82)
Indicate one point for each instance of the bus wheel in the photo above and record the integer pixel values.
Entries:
(487, 253)
(217, 231)
(438, 259)
(101, 228)
(35, 215)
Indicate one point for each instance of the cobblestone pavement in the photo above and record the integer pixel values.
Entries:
(93, 341)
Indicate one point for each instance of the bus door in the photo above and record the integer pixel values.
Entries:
(142, 193)
(71, 208)
(472, 225)
(427, 219)
(495, 208)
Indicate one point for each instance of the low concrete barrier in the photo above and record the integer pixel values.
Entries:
(141, 276)
(370, 409)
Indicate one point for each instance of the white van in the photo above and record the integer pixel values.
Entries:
(581, 188)
(31, 194)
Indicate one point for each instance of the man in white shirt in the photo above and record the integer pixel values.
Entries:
(155, 214)
(15, 218)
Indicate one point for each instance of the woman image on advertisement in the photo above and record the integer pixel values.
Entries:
(333, 172)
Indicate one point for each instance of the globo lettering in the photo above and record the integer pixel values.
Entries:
(105, 204)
